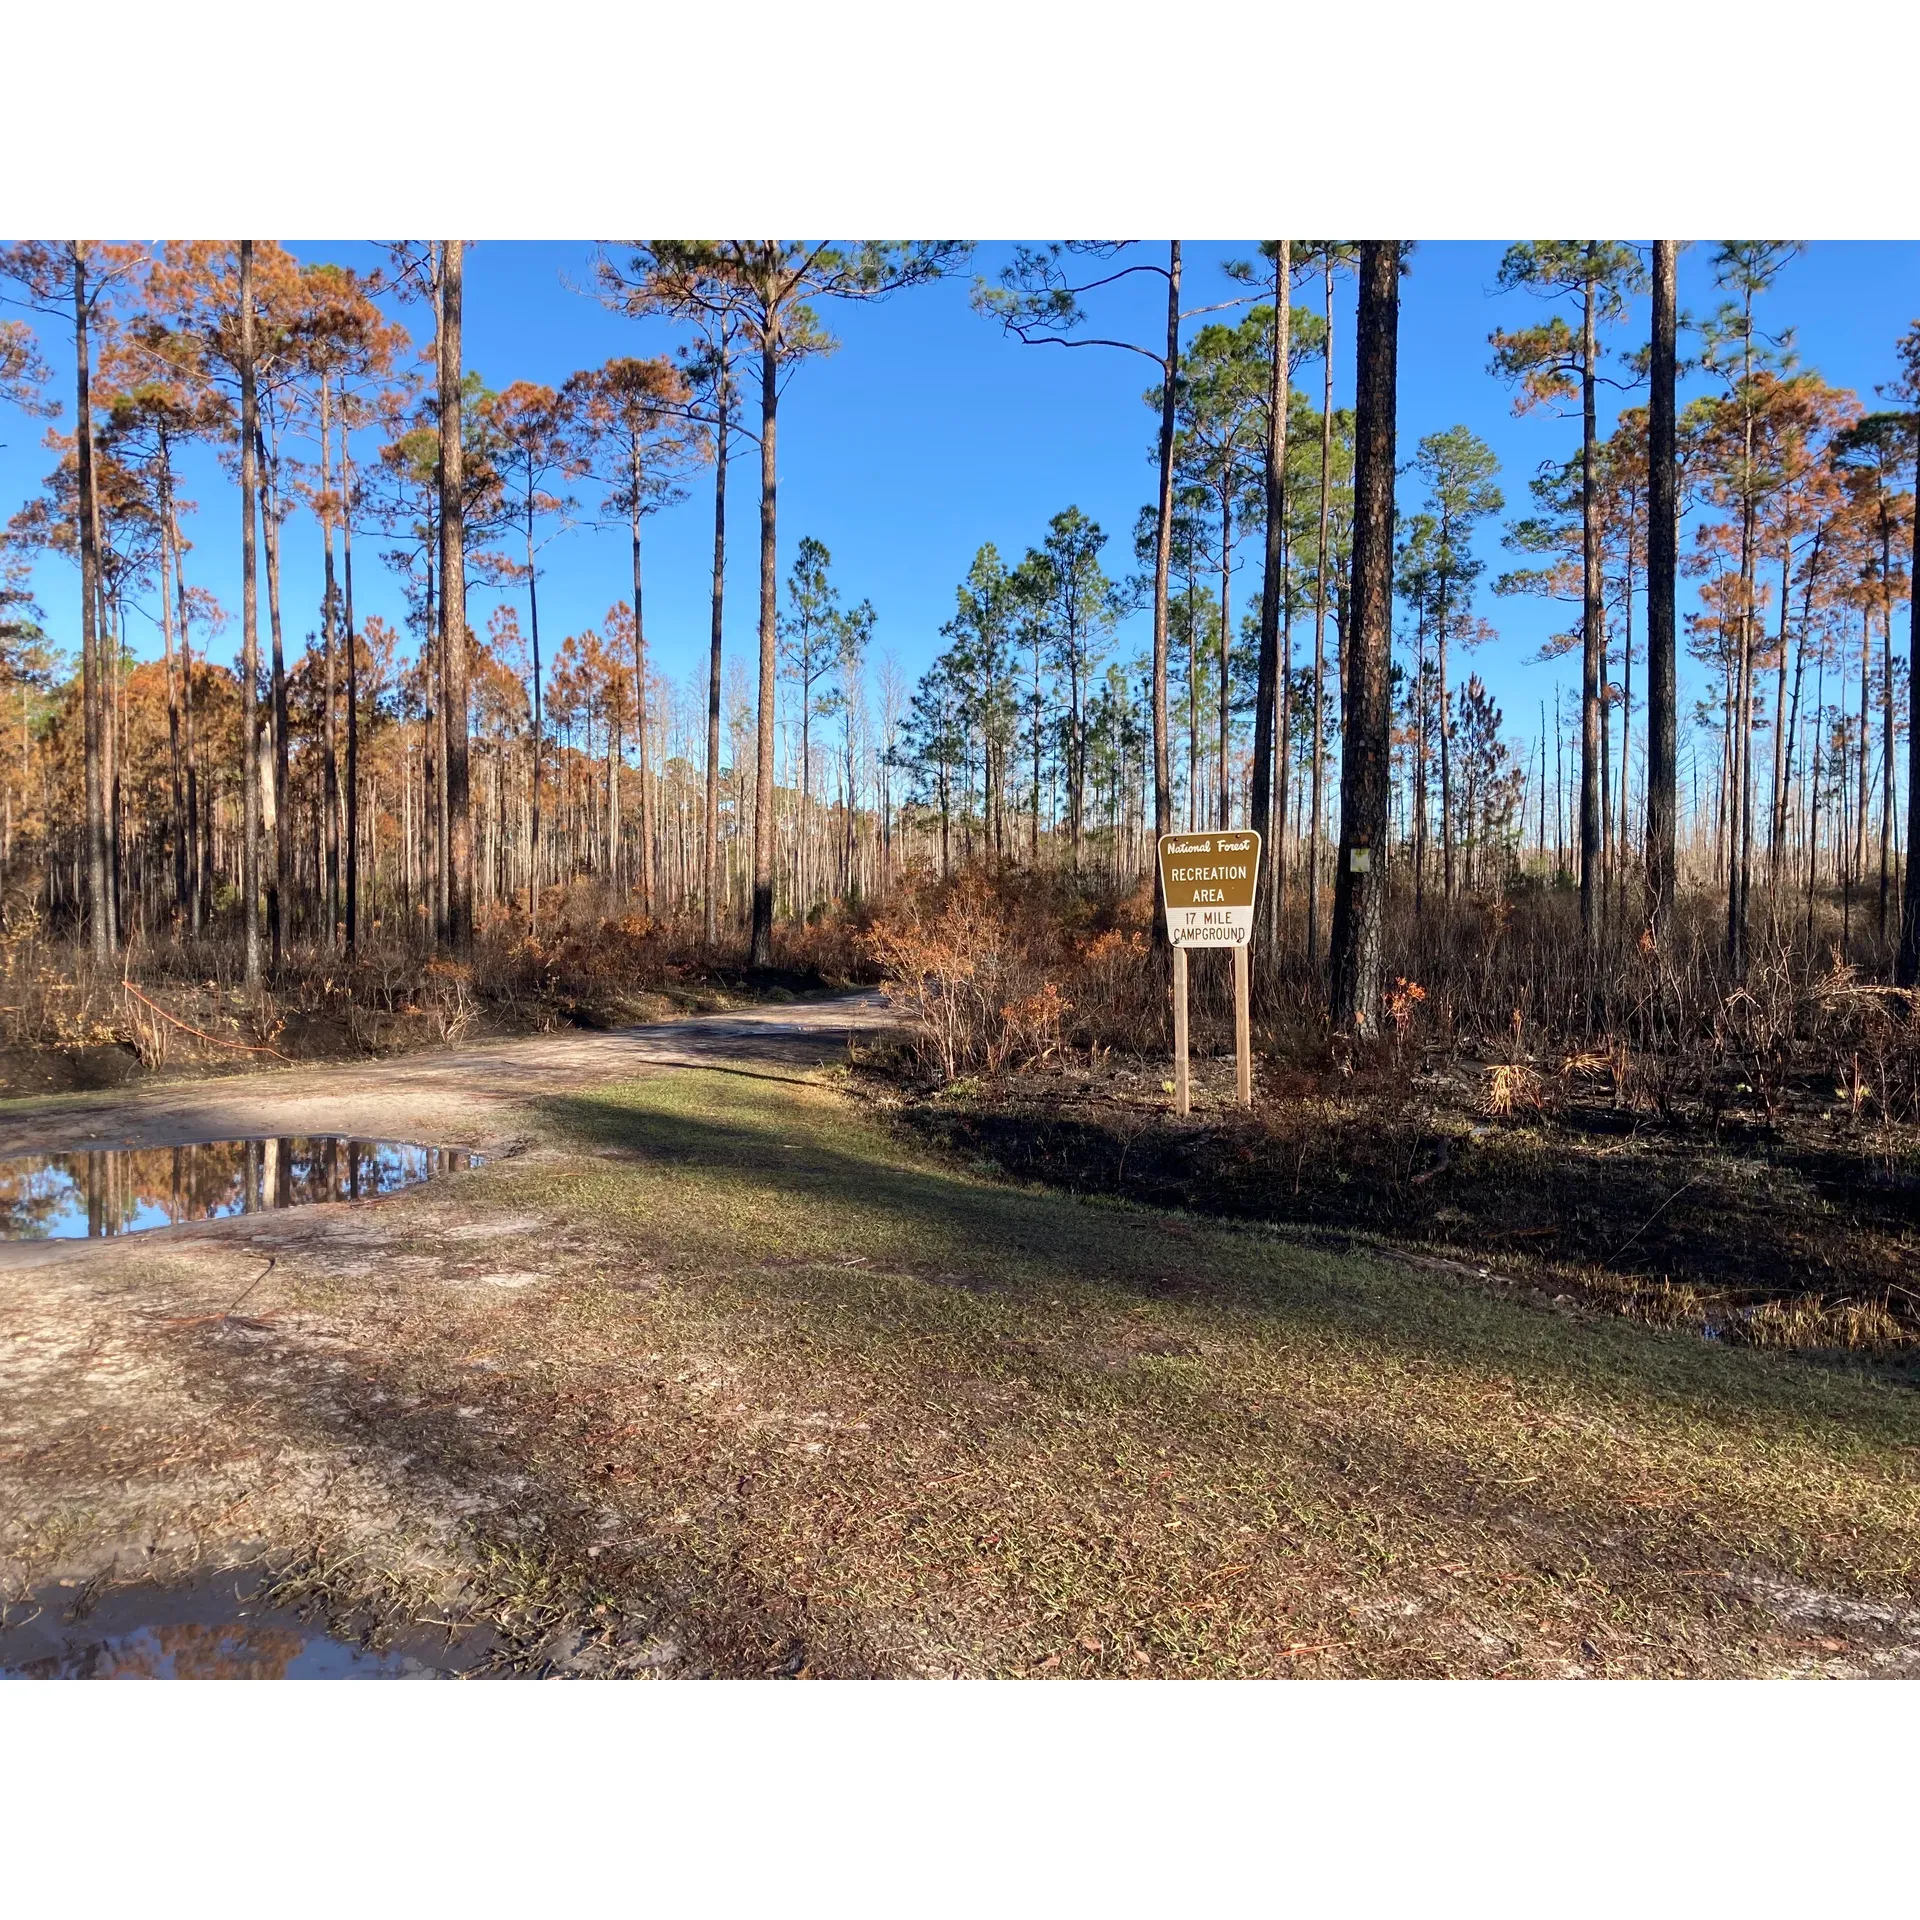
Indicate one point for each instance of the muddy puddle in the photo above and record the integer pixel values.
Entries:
(100, 1192)
(214, 1629)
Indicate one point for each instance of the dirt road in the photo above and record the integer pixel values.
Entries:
(474, 1096)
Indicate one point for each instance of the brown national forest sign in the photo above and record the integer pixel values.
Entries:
(1207, 881)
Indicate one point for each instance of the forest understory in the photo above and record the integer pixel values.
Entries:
(182, 1009)
(1797, 1233)
(1741, 1161)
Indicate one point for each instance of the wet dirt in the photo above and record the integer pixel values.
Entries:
(252, 1392)
(476, 1097)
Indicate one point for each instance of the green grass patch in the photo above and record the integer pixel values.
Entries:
(933, 1422)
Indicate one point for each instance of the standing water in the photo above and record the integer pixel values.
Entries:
(104, 1191)
(215, 1628)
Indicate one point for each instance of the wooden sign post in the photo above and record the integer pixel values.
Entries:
(1207, 883)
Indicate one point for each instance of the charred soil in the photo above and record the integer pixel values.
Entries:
(1782, 1219)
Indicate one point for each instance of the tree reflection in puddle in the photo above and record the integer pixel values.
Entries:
(212, 1630)
(101, 1192)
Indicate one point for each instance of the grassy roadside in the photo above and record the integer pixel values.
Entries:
(730, 1378)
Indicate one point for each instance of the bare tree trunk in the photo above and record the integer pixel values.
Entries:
(1740, 868)
(536, 726)
(1320, 637)
(1794, 741)
(1193, 712)
(453, 611)
(1886, 705)
(1446, 746)
(1907, 962)
(613, 797)
(280, 893)
(1162, 552)
(640, 713)
(329, 609)
(249, 621)
(199, 843)
(432, 837)
(1039, 708)
(760, 947)
(1226, 629)
(99, 888)
(1593, 647)
(1269, 700)
(1740, 861)
(176, 789)
(353, 706)
(1420, 766)
(710, 850)
(1866, 707)
(1360, 880)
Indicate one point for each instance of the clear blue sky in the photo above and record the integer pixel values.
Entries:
(929, 432)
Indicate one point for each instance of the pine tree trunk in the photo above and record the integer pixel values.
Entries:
(801, 901)
(1193, 712)
(1162, 554)
(1226, 630)
(536, 724)
(453, 612)
(113, 649)
(353, 706)
(1740, 869)
(249, 636)
(1420, 777)
(1861, 786)
(99, 890)
(641, 741)
(613, 799)
(1626, 724)
(1359, 897)
(1593, 644)
(760, 946)
(1886, 706)
(280, 893)
(199, 845)
(1794, 743)
(1269, 700)
(1320, 637)
(107, 668)
(1446, 745)
(1782, 732)
(710, 850)
(1907, 962)
(1039, 708)
(176, 785)
(330, 771)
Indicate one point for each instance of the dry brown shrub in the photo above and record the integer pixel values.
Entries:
(1030, 1027)
(1005, 969)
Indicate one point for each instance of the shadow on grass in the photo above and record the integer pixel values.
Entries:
(801, 1180)
(766, 1184)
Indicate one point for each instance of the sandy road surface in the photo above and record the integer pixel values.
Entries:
(475, 1096)
(148, 1436)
